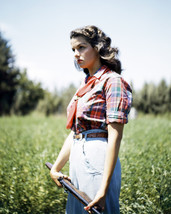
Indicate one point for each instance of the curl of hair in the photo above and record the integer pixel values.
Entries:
(98, 39)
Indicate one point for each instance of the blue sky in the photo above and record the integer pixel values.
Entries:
(39, 30)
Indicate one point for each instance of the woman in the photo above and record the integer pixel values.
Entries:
(96, 116)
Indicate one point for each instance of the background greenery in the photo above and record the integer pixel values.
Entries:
(26, 143)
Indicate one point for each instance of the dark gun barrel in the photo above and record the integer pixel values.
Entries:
(81, 196)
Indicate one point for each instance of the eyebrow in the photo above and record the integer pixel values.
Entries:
(81, 43)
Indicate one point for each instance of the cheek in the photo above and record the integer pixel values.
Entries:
(91, 55)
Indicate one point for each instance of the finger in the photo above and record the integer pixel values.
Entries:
(57, 182)
(99, 208)
(89, 206)
(55, 176)
(95, 205)
(66, 177)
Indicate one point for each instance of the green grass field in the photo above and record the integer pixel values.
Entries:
(26, 143)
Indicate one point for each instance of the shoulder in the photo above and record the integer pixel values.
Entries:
(115, 80)
(112, 75)
(112, 78)
(109, 77)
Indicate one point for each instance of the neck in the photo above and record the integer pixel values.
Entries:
(93, 70)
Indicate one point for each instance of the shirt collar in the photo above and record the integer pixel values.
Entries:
(98, 73)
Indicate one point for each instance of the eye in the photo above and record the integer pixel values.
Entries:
(81, 47)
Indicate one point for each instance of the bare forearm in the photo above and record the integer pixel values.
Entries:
(114, 140)
(64, 154)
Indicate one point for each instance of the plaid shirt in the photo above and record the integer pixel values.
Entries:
(109, 101)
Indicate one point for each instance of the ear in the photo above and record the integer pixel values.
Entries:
(96, 49)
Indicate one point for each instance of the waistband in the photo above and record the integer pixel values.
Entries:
(93, 133)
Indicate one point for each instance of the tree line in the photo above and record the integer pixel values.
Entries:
(153, 98)
(20, 96)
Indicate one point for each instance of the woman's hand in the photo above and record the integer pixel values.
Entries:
(62, 158)
(55, 175)
(99, 200)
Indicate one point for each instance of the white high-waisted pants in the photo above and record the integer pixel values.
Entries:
(87, 159)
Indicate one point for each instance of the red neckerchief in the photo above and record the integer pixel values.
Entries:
(81, 92)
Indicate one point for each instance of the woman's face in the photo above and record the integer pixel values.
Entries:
(85, 55)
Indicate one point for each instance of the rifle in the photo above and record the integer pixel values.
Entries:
(81, 196)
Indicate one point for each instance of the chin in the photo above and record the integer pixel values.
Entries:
(82, 66)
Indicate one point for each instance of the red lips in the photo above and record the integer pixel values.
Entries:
(79, 61)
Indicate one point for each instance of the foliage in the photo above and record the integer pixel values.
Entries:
(8, 77)
(51, 104)
(153, 98)
(18, 94)
(67, 94)
(27, 96)
(57, 102)
(26, 143)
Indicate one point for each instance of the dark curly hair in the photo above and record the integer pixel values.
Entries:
(98, 39)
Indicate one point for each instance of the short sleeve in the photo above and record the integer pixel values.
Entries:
(118, 100)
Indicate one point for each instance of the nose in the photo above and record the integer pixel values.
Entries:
(76, 53)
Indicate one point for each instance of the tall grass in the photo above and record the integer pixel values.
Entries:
(26, 143)
(146, 167)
